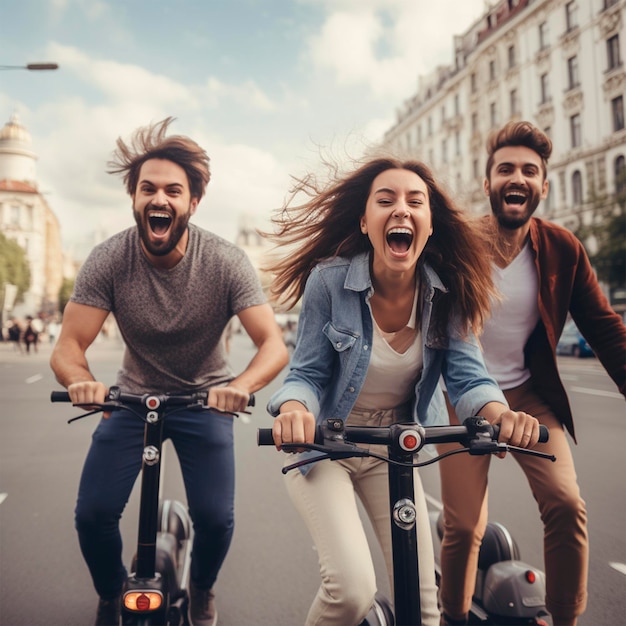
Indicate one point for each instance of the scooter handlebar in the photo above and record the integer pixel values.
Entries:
(264, 435)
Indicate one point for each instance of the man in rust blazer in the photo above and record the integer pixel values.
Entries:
(544, 274)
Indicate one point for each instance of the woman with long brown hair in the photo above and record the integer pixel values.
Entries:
(394, 282)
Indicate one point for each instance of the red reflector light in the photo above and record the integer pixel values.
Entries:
(143, 600)
(531, 577)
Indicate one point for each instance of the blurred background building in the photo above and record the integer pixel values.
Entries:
(556, 63)
(27, 219)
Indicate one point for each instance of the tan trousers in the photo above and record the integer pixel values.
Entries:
(562, 510)
(325, 498)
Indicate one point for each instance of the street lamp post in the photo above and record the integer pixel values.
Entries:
(31, 66)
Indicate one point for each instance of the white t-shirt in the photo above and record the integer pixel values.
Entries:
(512, 320)
(392, 375)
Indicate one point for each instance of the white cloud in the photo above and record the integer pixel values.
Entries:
(386, 44)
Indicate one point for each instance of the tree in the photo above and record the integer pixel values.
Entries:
(607, 230)
(14, 268)
(65, 292)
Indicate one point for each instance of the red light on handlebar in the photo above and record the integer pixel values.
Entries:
(153, 402)
(531, 577)
(409, 441)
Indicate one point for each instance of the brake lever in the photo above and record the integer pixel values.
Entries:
(100, 408)
(331, 450)
(480, 446)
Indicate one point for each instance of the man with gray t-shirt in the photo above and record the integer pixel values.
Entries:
(172, 287)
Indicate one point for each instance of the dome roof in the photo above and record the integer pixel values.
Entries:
(13, 131)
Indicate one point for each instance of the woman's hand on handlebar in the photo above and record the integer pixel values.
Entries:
(516, 427)
(294, 424)
(89, 393)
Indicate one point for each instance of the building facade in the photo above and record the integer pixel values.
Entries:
(26, 218)
(556, 63)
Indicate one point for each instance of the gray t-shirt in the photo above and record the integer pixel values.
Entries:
(171, 320)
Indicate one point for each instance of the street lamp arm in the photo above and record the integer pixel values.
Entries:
(31, 66)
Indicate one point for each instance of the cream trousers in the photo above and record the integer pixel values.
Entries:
(326, 500)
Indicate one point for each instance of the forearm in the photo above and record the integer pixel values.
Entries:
(69, 364)
(266, 364)
(492, 411)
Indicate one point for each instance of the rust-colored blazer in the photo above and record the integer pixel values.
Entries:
(567, 283)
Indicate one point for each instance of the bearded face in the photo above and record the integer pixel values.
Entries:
(516, 185)
(162, 207)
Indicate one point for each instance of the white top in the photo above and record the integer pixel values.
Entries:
(512, 320)
(393, 371)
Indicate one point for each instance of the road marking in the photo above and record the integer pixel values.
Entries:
(598, 392)
(3, 497)
(33, 379)
(620, 567)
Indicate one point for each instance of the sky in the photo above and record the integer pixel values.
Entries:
(266, 87)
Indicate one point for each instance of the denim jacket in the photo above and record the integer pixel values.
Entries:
(332, 354)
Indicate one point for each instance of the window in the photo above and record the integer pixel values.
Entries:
(617, 112)
(571, 15)
(473, 83)
(474, 122)
(443, 114)
(15, 215)
(545, 88)
(457, 143)
(609, 3)
(457, 106)
(429, 122)
(513, 102)
(444, 150)
(475, 168)
(511, 55)
(575, 130)
(577, 188)
(492, 70)
(546, 205)
(543, 36)
(493, 114)
(572, 72)
(419, 134)
(620, 176)
(612, 52)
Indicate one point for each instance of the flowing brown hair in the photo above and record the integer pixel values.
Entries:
(327, 225)
(150, 142)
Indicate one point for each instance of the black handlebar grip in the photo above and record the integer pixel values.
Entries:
(252, 400)
(264, 437)
(60, 396)
(544, 433)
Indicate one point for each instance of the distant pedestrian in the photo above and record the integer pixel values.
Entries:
(31, 335)
(15, 335)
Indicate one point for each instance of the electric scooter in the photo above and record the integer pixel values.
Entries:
(334, 440)
(155, 591)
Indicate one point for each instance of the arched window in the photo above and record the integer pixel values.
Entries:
(577, 188)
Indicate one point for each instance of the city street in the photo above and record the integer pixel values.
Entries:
(270, 575)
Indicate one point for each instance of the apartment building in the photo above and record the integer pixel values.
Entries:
(556, 63)
(26, 218)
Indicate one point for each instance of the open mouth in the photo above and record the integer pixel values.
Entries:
(515, 197)
(160, 222)
(399, 240)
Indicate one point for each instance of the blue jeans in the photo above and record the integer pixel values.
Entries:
(204, 445)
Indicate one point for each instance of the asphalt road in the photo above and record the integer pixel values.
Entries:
(270, 575)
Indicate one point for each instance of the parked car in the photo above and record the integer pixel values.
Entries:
(573, 343)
